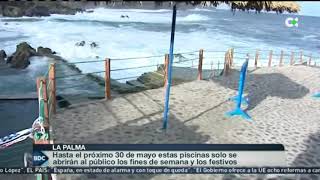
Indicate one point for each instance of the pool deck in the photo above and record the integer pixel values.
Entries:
(281, 107)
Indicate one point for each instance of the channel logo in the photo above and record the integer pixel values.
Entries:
(292, 22)
(39, 159)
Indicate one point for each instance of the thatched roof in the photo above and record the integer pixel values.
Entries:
(277, 6)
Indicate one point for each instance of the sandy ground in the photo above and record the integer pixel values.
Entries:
(281, 106)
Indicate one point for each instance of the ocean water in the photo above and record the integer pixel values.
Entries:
(16, 115)
(147, 33)
(144, 33)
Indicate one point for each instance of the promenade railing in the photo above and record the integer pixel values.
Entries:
(214, 61)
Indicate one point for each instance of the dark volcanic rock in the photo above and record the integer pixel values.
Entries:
(37, 11)
(41, 51)
(20, 59)
(93, 45)
(12, 11)
(3, 55)
(37, 8)
(64, 10)
(82, 43)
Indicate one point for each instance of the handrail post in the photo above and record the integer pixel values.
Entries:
(38, 85)
(292, 58)
(226, 63)
(200, 64)
(218, 68)
(107, 78)
(281, 58)
(231, 59)
(310, 59)
(256, 59)
(52, 78)
(166, 66)
(270, 58)
(42, 80)
(301, 56)
(45, 99)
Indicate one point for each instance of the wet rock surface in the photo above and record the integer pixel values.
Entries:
(20, 58)
(81, 43)
(38, 11)
(3, 55)
(93, 45)
(36, 8)
(42, 51)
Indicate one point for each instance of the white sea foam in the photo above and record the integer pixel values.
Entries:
(309, 37)
(202, 9)
(193, 17)
(36, 66)
(135, 15)
(126, 37)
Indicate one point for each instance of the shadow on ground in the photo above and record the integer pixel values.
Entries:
(147, 130)
(260, 86)
(311, 155)
(144, 130)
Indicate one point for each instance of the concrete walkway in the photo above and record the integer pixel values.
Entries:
(281, 106)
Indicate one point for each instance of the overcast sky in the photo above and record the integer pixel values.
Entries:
(310, 8)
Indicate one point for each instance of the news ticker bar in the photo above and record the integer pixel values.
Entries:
(158, 155)
(161, 170)
(160, 147)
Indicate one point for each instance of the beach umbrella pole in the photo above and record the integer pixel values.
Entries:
(167, 97)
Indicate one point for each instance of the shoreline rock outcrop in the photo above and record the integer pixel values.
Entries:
(81, 43)
(43, 51)
(3, 56)
(20, 58)
(45, 8)
(37, 8)
(94, 45)
(37, 11)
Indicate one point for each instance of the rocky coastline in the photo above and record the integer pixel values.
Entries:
(35, 8)
(46, 8)
(21, 59)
